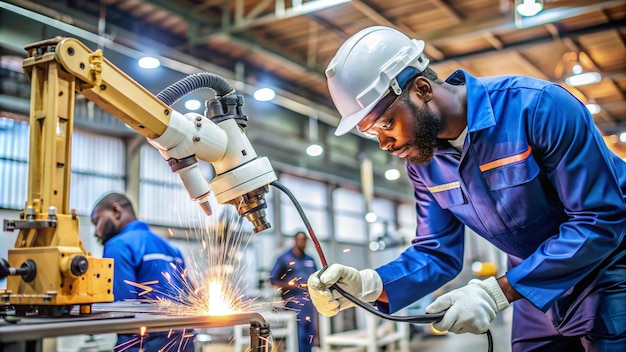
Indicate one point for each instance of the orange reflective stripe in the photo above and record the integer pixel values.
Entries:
(505, 161)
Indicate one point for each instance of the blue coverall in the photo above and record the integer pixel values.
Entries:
(290, 267)
(141, 256)
(536, 179)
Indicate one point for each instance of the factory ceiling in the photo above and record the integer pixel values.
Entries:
(287, 44)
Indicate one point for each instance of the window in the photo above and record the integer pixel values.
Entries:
(350, 225)
(163, 199)
(14, 149)
(312, 198)
(98, 167)
(386, 222)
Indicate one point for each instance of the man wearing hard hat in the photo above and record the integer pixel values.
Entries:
(516, 159)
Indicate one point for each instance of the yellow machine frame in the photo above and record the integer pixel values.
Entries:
(48, 231)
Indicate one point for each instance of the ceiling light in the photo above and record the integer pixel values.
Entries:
(371, 217)
(315, 150)
(580, 78)
(203, 338)
(593, 108)
(529, 8)
(149, 62)
(374, 246)
(192, 104)
(264, 94)
(392, 174)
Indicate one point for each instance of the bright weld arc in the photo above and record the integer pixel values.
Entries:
(216, 270)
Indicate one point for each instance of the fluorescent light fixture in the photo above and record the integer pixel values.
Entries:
(203, 338)
(374, 246)
(315, 149)
(593, 108)
(149, 62)
(264, 94)
(529, 8)
(193, 104)
(580, 78)
(392, 174)
(371, 217)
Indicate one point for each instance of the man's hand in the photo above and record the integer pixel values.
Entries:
(365, 285)
(470, 308)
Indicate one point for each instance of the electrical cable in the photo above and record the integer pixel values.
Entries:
(416, 319)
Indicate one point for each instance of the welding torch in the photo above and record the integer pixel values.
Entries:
(415, 319)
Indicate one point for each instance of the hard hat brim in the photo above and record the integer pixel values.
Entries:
(347, 123)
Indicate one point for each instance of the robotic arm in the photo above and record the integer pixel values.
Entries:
(48, 270)
(242, 176)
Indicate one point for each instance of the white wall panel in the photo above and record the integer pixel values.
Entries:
(311, 196)
(97, 154)
(348, 201)
(85, 190)
(13, 184)
(385, 211)
(407, 216)
(13, 139)
(350, 224)
(98, 167)
(14, 149)
(162, 198)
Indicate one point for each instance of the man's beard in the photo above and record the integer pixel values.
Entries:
(424, 140)
(109, 231)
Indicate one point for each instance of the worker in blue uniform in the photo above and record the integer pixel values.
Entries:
(140, 256)
(516, 159)
(290, 273)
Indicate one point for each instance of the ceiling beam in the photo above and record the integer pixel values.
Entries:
(534, 41)
(247, 23)
(375, 16)
(477, 27)
(171, 58)
(468, 28)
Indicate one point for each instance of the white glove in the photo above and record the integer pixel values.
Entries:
(365, 285)
(470, 308)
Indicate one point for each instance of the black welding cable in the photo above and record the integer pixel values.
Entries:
(417, 319)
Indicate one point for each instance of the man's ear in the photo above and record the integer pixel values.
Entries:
(423, 88)
(117, 211)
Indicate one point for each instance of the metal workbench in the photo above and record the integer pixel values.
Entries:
(25, 334)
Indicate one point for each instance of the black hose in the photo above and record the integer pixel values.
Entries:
(416, 319)
(179, 89)
(309, 229)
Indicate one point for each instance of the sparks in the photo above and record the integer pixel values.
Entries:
(212, 285)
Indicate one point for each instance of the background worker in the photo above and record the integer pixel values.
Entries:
(516, 159)
(139, 256)
(290, 273)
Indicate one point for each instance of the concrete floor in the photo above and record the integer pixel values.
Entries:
(500, 330)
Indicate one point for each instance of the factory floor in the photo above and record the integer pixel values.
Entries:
(501, 333)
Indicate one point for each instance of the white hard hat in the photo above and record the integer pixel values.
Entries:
(366, 66)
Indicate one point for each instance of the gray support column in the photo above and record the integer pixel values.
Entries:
(132, 172)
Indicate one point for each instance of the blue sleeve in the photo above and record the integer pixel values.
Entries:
(434, 258)
(123, 269)
(584, 174)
